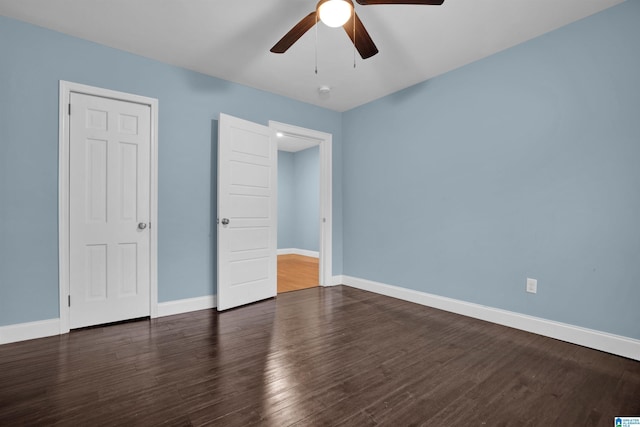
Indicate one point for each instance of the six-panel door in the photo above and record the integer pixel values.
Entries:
(109, 210)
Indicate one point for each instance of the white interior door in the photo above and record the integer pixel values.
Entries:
(247, 212)
(109, 187)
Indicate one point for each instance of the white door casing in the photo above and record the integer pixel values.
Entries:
(108, 188)
(247, 212)
(326, 217)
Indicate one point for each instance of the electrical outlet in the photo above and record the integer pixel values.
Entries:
(532, 286)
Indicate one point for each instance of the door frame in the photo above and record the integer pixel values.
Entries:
(326, 213)
(66, 88)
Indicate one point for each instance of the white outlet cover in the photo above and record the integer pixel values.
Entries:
(532, 285)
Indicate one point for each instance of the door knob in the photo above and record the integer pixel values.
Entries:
(225, 221)
(142, 225)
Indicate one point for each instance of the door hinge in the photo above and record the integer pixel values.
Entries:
(69, 109)
(69, 300)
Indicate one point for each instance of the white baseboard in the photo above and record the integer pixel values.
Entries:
(29, 331)
(186, 305)
(615, 344)
(296, 251)
(337, 280)
(47, 328)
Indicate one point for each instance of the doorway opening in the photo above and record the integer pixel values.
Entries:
(298, 213)
(304, 208)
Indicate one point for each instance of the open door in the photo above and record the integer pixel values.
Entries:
(247, 212)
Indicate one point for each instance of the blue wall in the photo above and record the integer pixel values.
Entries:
(299, 199)
(525, 164)
(33, 60)
(286, 201)
(307, 191)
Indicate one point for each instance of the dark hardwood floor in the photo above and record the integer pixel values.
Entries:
(321, 356)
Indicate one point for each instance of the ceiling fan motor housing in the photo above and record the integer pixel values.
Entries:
(334, 13)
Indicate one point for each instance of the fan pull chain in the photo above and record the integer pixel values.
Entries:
(316, 43)
(354, 39)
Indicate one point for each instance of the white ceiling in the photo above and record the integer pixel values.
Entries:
(293, 144)
(231, 39)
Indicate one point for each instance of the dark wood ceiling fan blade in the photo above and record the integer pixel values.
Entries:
(362, 40)
(295, 33)
(419, 2)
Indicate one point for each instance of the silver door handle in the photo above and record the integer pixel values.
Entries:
(142, 225)
(225, 221)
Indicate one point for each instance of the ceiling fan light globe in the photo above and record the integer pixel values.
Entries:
(335, 13)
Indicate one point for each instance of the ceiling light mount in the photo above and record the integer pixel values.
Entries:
(324, 90)
(335, 13)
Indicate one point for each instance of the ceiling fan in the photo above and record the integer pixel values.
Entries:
(336, 13)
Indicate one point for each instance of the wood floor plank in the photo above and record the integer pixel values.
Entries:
(320, 356)
(296, 272)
